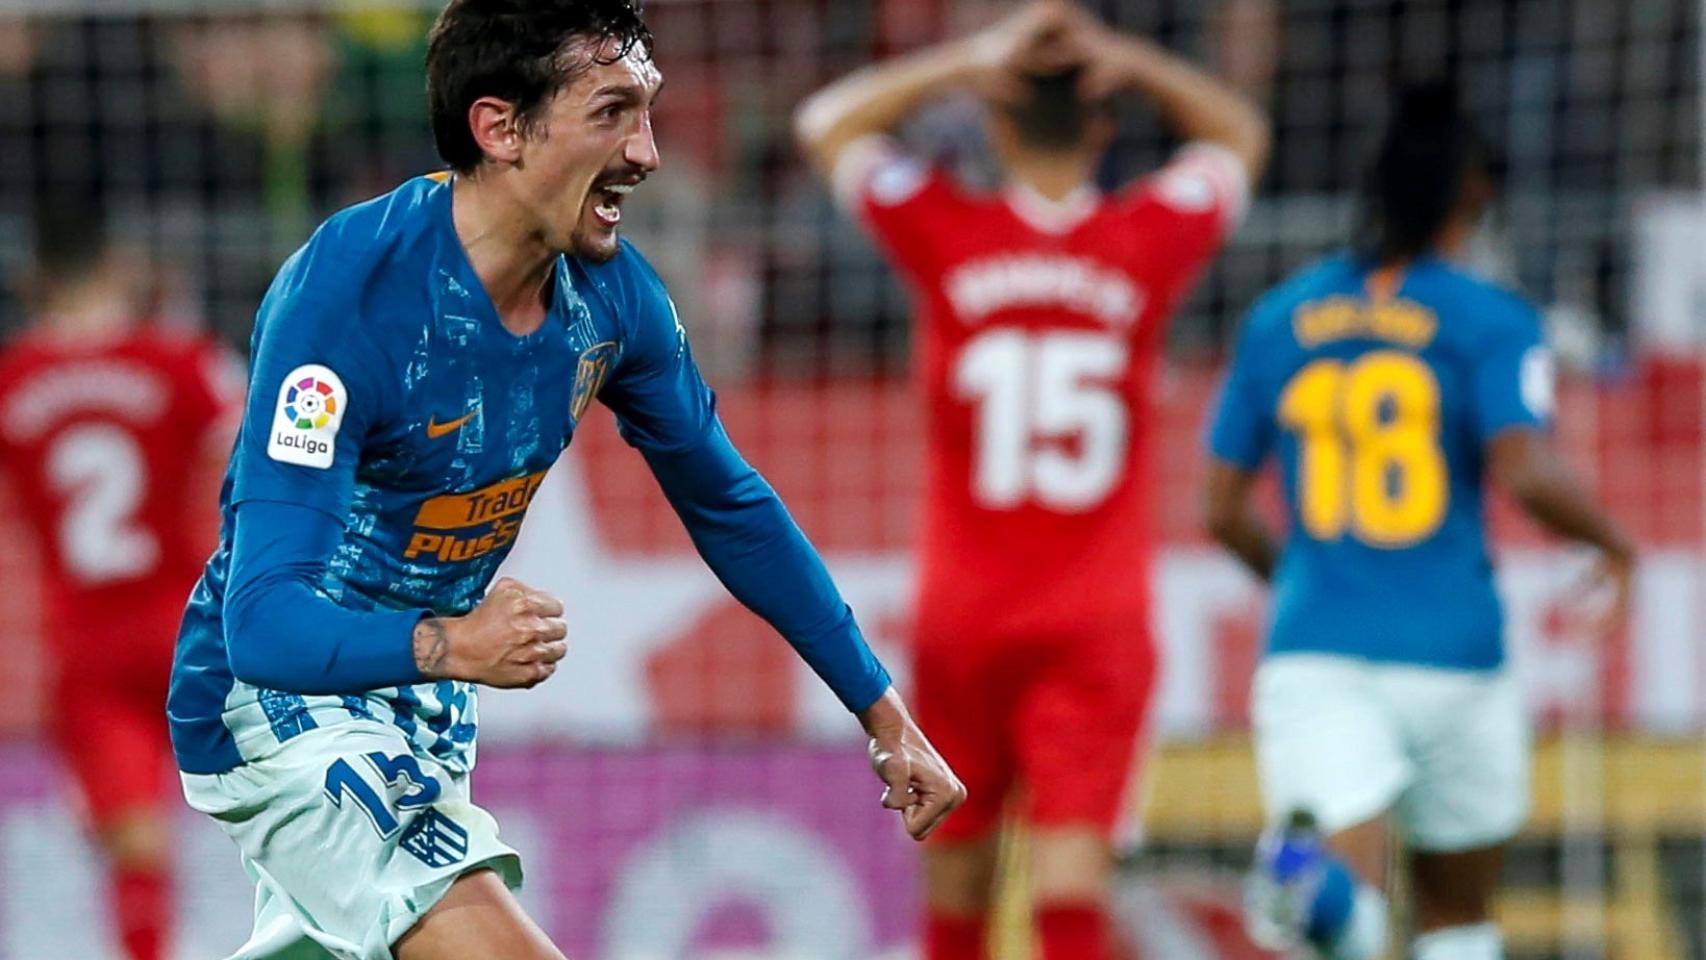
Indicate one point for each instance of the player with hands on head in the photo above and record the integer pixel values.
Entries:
(1388, 381)
(1041, 314)
(419, 364)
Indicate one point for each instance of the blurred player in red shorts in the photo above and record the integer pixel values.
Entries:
(1042, 313)
(104, 424)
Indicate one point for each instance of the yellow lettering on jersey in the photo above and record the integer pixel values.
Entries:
(447, 528)
(1368, 448)
(456, 511)
(1402, 322)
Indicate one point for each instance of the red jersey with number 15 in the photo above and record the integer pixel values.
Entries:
(1039, 327)
(100, 441)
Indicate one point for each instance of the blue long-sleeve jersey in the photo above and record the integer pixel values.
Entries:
(1379, 410)
(395, 435)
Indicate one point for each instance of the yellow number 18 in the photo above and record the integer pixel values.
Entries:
(1368, 433)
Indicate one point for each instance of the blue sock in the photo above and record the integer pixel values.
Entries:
(1335, 901)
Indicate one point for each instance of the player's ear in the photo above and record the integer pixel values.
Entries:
(496, 128)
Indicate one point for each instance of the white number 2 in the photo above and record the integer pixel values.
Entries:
(99, 469)
(1036, 393)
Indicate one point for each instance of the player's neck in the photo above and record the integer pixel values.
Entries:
(509, 256)
(1056, 177)
(89, 312)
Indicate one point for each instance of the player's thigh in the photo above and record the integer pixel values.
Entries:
(351, 834)
(1325, 742)
(1070, 863)
(962, 699)
(1470, 742)
(1079, 721)
(476, 917)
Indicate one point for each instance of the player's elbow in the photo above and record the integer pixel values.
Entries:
(252, 663)
(1523, 464)
(811, 122)
(1249, 134)
(254, 638)
(1222, 505)
(818, 129)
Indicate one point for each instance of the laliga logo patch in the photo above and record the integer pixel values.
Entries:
(311, 404)
(1539, 382)
(1186, 191)
(589, 376)
(898, 181)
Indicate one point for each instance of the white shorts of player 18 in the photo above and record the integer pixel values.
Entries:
(350, 838)
(1445, 751)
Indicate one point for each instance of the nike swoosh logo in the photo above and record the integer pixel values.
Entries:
(436, 430)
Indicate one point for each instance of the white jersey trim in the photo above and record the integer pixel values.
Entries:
(1051, 216)
(1200, 165)
(876, 167)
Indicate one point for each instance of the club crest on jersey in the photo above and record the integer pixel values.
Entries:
(311, 404)
(594, 367)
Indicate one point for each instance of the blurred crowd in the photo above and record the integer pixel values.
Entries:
(213, 140)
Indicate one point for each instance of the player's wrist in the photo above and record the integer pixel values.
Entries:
(433, 646)
(886, 719)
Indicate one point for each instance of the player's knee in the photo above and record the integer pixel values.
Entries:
(1070, 865)
(477, 916)
(1477, 941)
(136, 839)
(959, 878)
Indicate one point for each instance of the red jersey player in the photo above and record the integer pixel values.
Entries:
(1042, 311)
(103, 426)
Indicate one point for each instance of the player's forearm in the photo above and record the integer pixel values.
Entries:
(283, 634)
(746, 537)
(1197, 105)
(1554, 500)
(876, 99)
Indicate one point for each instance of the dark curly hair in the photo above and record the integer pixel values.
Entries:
(515, 50)
(1415, 182)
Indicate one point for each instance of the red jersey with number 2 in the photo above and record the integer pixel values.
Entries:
(1039, 328)
(100, 441)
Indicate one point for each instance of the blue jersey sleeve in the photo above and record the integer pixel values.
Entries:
(1242, 427)
(1513, 378)
(735, 519)
(282, 633)
(319, 385)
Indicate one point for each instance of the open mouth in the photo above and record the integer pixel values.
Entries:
(608, 197)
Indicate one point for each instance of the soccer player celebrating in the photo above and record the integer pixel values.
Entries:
(1389, 381)
(107, 422)
(418, 365)
(1042, 313)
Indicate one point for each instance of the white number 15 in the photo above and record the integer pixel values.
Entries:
(1035, 394)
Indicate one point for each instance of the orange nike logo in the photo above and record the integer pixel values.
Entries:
(436, 430)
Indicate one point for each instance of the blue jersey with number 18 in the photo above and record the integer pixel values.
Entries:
(1379, 405)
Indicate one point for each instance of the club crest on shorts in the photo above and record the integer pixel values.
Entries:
(594, 367)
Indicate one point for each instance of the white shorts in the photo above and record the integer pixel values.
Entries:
(350, 838)
(1446, 751)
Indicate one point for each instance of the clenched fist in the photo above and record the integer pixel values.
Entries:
(514, 638)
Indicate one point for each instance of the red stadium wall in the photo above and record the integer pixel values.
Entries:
(845, 455)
